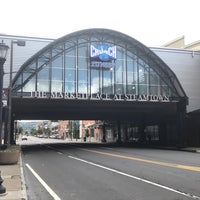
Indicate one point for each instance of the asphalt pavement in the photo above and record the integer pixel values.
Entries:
(13, 179)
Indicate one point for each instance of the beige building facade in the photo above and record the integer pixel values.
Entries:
(179, 43)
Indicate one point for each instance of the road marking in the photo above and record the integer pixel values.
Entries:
(51, 192)
(186, 167)
(137, 178)
(24, 192)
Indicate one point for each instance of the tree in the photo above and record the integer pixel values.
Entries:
(87, 132)
(20, 130)
(33, 131)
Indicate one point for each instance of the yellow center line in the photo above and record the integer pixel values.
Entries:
(186, 167)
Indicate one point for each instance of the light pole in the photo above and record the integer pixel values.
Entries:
(19, 43)
(3, 52)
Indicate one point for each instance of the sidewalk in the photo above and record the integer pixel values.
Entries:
(13, 182)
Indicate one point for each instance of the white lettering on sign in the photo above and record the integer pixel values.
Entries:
(97, 64)
(110, 51)
(98, 96)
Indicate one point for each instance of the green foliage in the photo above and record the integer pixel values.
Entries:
(20, 130)
(47, 131)
(87, 133)
(40, 132)
(33, 131)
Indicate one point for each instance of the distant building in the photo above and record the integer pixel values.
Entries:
(180, 44)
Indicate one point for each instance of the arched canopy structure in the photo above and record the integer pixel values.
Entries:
(100, 66)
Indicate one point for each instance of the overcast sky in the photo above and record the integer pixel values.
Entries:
(152, 22)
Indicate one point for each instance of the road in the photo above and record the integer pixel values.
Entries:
(77, 171)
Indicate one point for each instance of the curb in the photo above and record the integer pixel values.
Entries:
(24, 193)
(191, 150)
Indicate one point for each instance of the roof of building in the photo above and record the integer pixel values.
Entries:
(180, 43)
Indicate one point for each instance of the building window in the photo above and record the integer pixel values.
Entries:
(57, 75)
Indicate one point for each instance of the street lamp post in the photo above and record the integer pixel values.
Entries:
(19, 43)
(3, 52)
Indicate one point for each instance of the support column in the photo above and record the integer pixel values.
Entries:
(142, 132)
(125, 133)
(12, 135)
(162, 133)
(181, 110)
(119, 139)
(6, 126)
(104, 132)
(180, 129)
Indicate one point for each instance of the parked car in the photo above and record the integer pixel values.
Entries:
(56, 136)
(24, 137)
(52, 136)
